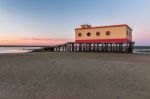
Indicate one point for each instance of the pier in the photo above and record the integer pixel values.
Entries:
(124, 47)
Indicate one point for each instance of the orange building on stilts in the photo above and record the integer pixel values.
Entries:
(113, 38)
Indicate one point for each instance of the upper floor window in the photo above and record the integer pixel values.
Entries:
(79, 34)
(98, 33)
(88, 34)
(128, 33)
(108, 33)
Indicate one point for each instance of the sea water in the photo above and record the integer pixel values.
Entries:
(17, 49)
(141, 51)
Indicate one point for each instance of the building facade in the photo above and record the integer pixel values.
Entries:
(106, 34)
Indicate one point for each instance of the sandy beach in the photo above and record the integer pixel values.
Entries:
(74, 76)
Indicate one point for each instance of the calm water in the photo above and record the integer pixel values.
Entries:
(142, 51)
(139, 49)
(17, 49)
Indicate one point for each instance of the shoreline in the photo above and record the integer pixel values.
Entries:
(137, 53)
(46, 49)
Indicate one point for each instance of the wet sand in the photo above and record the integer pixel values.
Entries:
(74, 76)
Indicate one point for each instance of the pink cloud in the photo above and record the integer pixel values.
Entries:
(33, 41)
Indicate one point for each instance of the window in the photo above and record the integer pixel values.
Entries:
(128, 33)
(88, 34)
(108, 33)
(79, 34)
(97, 33)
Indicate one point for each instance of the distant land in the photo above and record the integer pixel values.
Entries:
(141, 47)
(135, 47)
(25, 45)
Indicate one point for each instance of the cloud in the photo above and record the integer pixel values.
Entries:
(4, 40)
(34, 41)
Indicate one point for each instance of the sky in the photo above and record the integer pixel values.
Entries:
(44, 22)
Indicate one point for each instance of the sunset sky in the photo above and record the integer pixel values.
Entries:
(35, 22)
